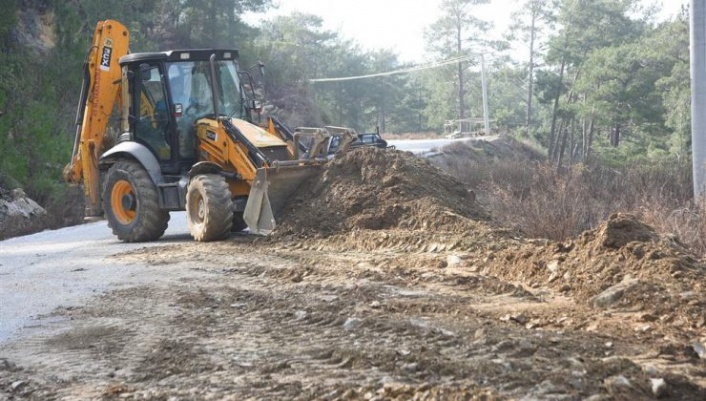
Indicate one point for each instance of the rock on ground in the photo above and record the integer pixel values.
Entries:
(18, 213)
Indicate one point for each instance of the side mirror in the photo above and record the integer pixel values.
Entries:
(256, 106)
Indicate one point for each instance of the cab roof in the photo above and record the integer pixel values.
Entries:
(180, 55)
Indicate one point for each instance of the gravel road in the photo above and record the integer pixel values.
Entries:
(43, 271)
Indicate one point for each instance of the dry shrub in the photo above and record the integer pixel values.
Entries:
(687, 224)
(539, 201)
(661, 194)
(475, 162)
(544, 202)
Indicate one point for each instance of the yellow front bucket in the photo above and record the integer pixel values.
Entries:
(271, 189)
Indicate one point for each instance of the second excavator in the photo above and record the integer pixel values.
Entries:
(186, 142)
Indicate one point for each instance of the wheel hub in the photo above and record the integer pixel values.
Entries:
(128, 202)
(123, 202)
(201, 210)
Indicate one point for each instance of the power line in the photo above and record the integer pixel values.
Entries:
(395, 72)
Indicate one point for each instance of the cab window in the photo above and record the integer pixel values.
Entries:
(153, 119)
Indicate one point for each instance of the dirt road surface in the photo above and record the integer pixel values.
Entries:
(403, 289)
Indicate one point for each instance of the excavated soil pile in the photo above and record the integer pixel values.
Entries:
(482, 153)
(375, 189)
(624, 264)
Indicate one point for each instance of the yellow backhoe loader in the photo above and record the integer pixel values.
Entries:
(186, 142)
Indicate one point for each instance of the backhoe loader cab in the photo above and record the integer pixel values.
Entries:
(186, 143)
(168, 92)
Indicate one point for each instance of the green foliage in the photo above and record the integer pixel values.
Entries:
(213, 23)
(622, 80)
(410, 115)
(671, 40)
(458, 34)
(441, 102)
(589, 25)
(7, 21)
(298, 50)
(295, 49)
(619, 82)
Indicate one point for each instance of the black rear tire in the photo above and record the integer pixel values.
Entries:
(131, 203)
(209, 209)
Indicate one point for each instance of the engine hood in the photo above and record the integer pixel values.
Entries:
(257, 135)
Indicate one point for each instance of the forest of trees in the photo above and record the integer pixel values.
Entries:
(602, 80)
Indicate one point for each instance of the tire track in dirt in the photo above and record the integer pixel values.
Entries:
(302, 324)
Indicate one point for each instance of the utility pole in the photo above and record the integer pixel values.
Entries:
(484, 83)
(419, 106)
(461, 91)
(698, 96)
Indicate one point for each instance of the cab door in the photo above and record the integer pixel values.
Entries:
(152, 124)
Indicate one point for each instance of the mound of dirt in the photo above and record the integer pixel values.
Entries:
(486, 151)
(622, 265)
(371, 199)
(620, 230)
(374, 189)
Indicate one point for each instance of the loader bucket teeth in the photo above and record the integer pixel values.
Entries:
(269, 194)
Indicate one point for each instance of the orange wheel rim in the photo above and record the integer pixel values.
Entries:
(123, 209)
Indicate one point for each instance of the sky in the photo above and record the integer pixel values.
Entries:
(399, 25)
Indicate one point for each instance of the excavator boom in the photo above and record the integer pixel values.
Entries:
(99, 93)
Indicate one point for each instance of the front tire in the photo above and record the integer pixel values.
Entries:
(131, 203)
(209, 209)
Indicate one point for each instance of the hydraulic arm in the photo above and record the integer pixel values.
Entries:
(99, 94)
